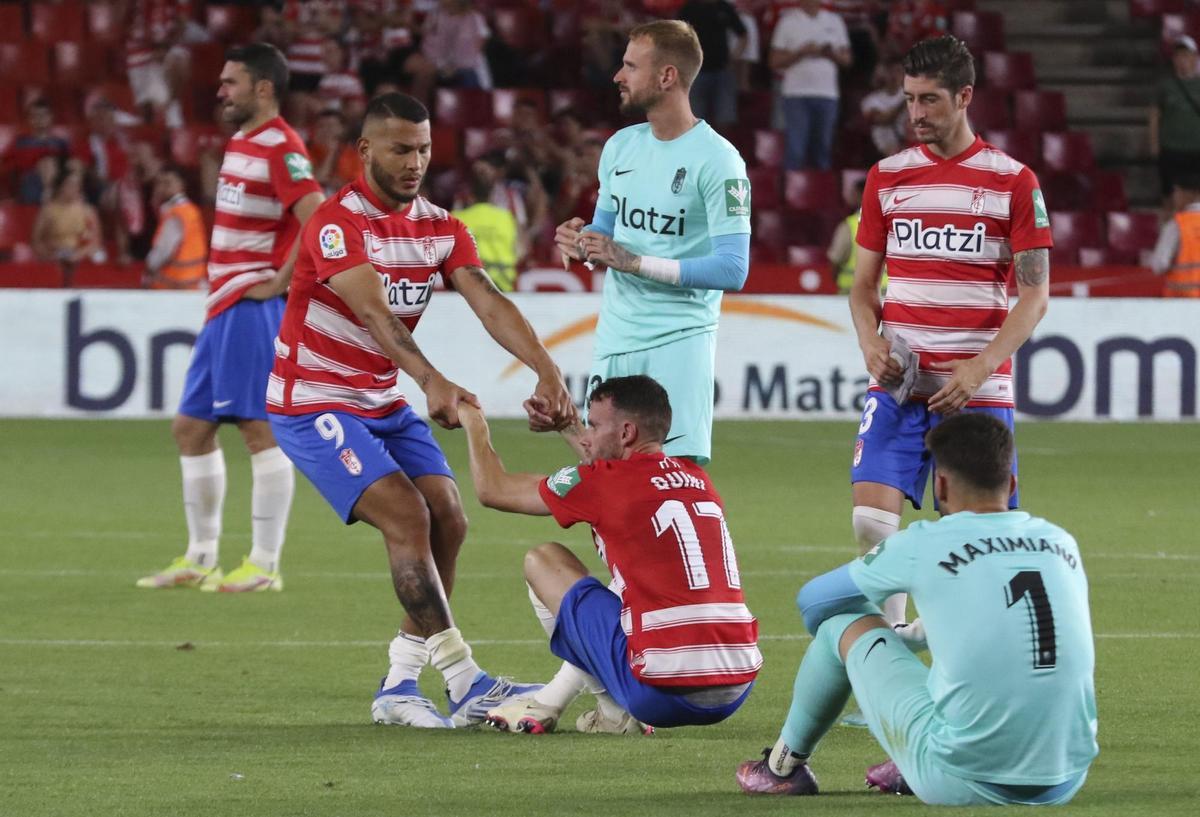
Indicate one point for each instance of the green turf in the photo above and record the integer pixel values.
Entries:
(117, 701)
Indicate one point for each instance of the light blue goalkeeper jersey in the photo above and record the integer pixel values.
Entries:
(670, 199)
(1004, 601)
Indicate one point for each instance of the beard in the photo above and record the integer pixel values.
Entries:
(237, 115)
(634, 105)
(385, 184)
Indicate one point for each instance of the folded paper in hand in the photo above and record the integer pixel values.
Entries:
(909, 362)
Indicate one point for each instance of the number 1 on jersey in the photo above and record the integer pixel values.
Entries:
(1028, 585)
(673, 515)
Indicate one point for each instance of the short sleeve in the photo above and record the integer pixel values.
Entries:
(725, 188)
(887, 568)
(1029, 227)
(782, 38)
(571, 494)
(841, 39)
(872, 232)
(464, 253)
(292, 174)
(334, 242)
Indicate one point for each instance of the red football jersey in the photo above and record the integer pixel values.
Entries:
(263, 174)
(325, 359)
(949, 229)
(659, 525)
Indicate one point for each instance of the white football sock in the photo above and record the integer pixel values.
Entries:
(544, 616)
(451, 656)
(872, 526)
(203, 496)
(570, 681)
(408, 655)
(270, 501)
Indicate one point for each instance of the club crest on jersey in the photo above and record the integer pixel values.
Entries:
(977, 200)
(677, 182)
(858, 449)
(350, 461)
(429, 249)
(912, 234)
(332, 241)
(563, 480)
(737, 197)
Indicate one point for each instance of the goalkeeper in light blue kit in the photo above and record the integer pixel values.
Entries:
(672, 224)
(1006, 714)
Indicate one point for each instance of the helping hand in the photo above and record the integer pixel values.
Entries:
(443, 398)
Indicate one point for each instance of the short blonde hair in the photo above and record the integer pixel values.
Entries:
(675, 43)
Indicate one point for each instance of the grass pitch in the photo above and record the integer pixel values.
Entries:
(118, 701)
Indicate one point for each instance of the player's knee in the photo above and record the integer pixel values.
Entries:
(194, 437)
(872, 525)
(406, 527)
(539, 560)
(450, 520)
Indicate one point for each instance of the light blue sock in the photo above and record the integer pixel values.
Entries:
(821, 689)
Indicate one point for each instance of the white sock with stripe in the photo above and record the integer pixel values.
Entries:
(203, 496)
(570, 681)
(270, 501)
(407, 655)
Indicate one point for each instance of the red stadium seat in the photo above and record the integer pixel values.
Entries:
(28, 61)
(187, 142)
(768, 148)
(854, 148)
(505, 99)
(1022, 145)
(811, 226)
(104, 25)
(810, 257)
(207, 61)
(10, 103)
(583, 101)
(812, 190)
(764, 188)
(475, 142)
(1069, 150)
(118, 93)
(989, 109)
(463, 107)
(108, 276)
(7, 134)
(1108, 191)
(519, 27)
(231, 23)
(1010, 70)
(981, 30)
(31, 275)
(769, 229)
(1066, 190)
(12, 22)
(1155, 8)
(51, 22)
(1040, 111)
(1073, 230)
(1100, 257)
(16, 224)
(446, 149)
(850, 178)
(1175, 26)
(1130, 234)
(78, 63)
(754, 109)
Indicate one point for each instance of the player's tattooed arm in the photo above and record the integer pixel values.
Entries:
(1032, 266)
(601, 249)
(480, 278)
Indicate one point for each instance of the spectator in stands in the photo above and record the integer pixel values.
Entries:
(714, 91)
(25, 159)
(494, 229)
(1175, 118)
(910, 21)
(1177, 253)
(157, 57)
(885, 109)
(386, 46)
(528, 143)
(842, 252)
(861, 18)
(308, 23)
(67, 228)
(807, 48)
(179, 254)
(606, 25)
(580, 186)
(745, 59)
(512, 186)
(335, 161)
(453, 41)
(340, 88)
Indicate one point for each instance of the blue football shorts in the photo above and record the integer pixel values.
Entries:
(588, 634)
(686, 369)
(231, 361)
(890, 448)
(342, 454)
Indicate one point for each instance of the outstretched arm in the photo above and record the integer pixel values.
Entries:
(495, 487)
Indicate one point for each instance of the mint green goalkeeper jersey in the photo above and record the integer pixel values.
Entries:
(1004, 601)
(670, 199)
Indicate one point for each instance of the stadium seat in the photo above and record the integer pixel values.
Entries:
(104, 25)
(187, 142)
(1175, 26)
(811, 226)
(1108, 191)
(78, 63)
(768, 148)
(1065, 190)
(769, 228)
(52, 22)
(583, 101)
(754, 109)
(475, 142)
(811, 257)
(519, 27)
(1155, 8)
(849, 178)
(1024, 146)
(1009, 70)
(447, 152)
(1069, 150)
(989, 109)
(207, 61)
(108, 276)
(854, 148)
(28, 61)
(764, 188)
(1037, 111)
(463, 107)
(10, 103)
(505, 99)
(230, 23)
(1073, 230)
(981, 30)
(118, 93)
(1131, 234)
(12, 22)
(1099, 257)
(812, 190)
(31, 275)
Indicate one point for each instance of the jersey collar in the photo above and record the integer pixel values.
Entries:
(974, 148)
(270, 123)
(364, 190)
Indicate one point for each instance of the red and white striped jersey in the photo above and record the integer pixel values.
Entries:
(949, 229)
(263, 174)
(325, 358)
(659, 525)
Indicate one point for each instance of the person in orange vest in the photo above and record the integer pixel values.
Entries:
(1177, 253)
(180, 250)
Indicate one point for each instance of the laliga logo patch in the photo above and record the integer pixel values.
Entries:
(858, 449)
(350, 461)
(332, 241)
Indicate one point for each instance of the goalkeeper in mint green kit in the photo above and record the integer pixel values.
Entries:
(672, 224)
(1006, 714)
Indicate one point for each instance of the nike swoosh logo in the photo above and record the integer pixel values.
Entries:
(623, 172)
(673, 439)
(878, 641)
(897, 201)
(221, 403)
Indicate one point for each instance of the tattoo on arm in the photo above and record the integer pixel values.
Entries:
(1033, 266)
(420, 592)
(404, 339)
(479, 275)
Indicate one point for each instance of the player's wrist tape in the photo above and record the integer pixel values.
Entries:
(663, 270)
